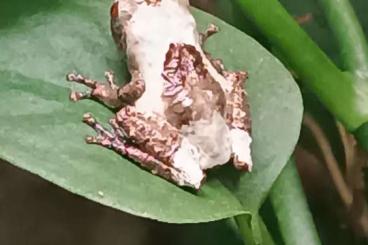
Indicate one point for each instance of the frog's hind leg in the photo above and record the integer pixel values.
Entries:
(238, 119)
(108, 93)
(237, 108)
(115, 141)
(144, 145)
(156, 136)
(236, 112)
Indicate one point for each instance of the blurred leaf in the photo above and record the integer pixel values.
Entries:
(266, 236)
(41, 131)
(213, 233)
(230, 12)
(291, 209)
(317, 27)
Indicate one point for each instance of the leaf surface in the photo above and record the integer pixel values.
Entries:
(41, 131)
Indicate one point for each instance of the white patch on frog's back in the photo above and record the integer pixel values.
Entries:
(186, 160)
(149, 34)
(212, 137)
(241, 141)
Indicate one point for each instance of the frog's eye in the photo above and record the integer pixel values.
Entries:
(114, 11)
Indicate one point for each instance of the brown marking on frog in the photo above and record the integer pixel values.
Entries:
(152, 134)
(115, 140)
(116, 28)
(114, 10)
(177, 135)
(153, 2)
(237, 111)
(190, 92)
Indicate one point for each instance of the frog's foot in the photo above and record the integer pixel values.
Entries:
(238, 119)
(210, 31)
(104, 93)
(156, 136)
(108, 94)
(116, 140)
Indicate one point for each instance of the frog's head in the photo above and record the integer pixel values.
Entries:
(122, 7)
(122, 11)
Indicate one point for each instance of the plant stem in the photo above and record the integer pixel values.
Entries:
(350, 36)
(245, 229)
(267, 238)
(347, 101)
(291, 209)
(330, 160)
(353, 47)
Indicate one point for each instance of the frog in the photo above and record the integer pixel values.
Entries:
(182, 113)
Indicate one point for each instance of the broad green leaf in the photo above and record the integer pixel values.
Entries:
(41, 131)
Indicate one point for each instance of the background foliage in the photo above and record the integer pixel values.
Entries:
(40, 130)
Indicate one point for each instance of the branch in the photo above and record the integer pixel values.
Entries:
(331, 162)
(336, 90)
(350, 36)
(291, 209)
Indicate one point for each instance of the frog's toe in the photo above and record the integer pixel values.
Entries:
(106, 94)
(77, 96)
(78, 78)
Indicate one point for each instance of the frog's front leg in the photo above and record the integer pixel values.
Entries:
(108, 93)
(203, 36)
(153, 143)
(210, 31)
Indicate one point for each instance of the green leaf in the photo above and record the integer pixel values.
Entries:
(291, 208)
(41, 131)
(318, 28)
(213, 233)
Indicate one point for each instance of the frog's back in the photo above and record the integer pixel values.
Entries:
(195, 103)
(149, 33)
(167, 53)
